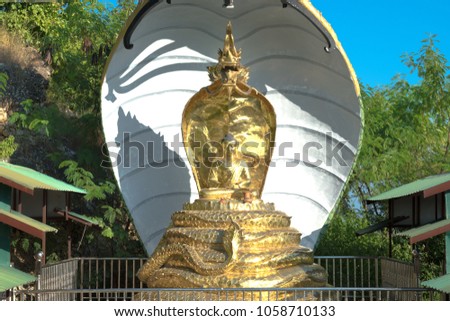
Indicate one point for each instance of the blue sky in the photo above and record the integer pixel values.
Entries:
(376, 33)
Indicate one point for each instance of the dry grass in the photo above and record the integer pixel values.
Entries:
(14, 53)
(28, 76)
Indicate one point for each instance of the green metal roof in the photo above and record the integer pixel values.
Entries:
(84, 218)
(441, 283)
(10, 278)
(426, 231)
(413, 187)
(5, 210)
(32, 179)
(77, 217)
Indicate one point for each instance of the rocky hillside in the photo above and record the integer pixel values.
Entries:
(28, 78)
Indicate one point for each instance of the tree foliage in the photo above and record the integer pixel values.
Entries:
(407, 126)
(75, 38)
(406, 137)
(7, 147)
(3, 82)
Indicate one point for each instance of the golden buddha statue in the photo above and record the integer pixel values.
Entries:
(229, 128)
(230, 238)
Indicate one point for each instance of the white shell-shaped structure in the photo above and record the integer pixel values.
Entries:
(295, 60)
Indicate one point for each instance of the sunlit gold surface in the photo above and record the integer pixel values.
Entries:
(230, 238)
(229, 129)
(213, 248)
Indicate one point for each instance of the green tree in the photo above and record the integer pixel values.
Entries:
(75, 38)
(406, 137)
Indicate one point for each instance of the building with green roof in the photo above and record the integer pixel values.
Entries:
(29, 200)
(419, 210)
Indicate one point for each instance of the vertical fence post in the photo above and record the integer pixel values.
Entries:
(377, 283)
(38, 270)
(416, 262)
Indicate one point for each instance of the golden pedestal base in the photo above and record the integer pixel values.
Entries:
(231, 244)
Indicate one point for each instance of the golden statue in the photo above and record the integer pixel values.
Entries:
(230, 238)
(229, 128)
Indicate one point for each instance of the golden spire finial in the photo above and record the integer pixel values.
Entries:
(228, 68)
(229, 57)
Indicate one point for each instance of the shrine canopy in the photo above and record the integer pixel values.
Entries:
(11, 277)
(418, 204)
(28, 180)
(27, 192)
(441, 283)
(29, 200)
(429, 186)
(420, 210)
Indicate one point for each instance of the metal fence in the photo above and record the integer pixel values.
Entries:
(109, 273)
(351, 278)
(398, 274)
(343, 271)
(351, 271)
(59, 276)
(120, 273)
(294, 294)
